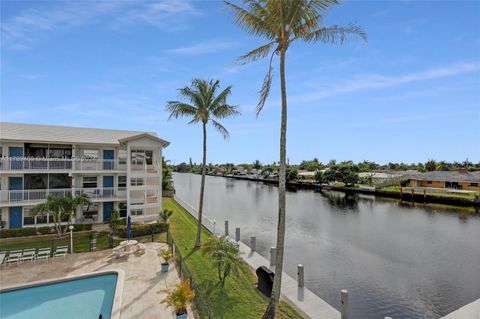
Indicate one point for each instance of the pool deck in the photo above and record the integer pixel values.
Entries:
(143, 283)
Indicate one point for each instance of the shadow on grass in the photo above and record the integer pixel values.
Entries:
(220, 300)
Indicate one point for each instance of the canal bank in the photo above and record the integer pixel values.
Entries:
(421, 197)
(402, 261)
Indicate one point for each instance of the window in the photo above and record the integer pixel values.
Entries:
(122, 183)
(429, 182)
(42, 219)
(89, 181)
(136, 212)
(90, 154)
(136, 181)
(122, 157)
(474, 184)
(28, 218)
(122, 210)
(90, 209)
(149, 157)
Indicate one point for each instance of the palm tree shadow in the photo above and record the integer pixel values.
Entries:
(223, 303)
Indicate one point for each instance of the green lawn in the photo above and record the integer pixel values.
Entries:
(470, 195)
(239, 298)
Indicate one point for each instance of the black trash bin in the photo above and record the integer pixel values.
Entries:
(265, 280)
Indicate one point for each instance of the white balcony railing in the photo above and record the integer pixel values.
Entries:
(30, 196)
(35, 196)
(58, 164)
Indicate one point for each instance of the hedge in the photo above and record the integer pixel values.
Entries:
(141, 229)
(32, 231)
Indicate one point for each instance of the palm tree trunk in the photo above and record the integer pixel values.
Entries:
(277, 282)
(202, 188)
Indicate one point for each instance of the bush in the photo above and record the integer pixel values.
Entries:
(45, 230)
(141, 229)
(403, 182)
(17, 232)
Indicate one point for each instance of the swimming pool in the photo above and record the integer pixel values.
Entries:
(82, 297)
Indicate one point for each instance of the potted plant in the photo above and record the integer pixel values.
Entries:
(178, 298)
(166, 255)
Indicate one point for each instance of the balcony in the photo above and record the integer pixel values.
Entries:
(31, 164)
(36, 196)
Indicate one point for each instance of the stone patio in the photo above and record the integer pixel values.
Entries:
(143, 279)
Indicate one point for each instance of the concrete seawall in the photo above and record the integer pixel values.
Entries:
(301, 298)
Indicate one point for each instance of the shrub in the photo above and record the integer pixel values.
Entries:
(141, 229)
(17, 232)
(45, 230)
(403, 182)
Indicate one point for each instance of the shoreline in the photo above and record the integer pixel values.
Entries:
(405, 197)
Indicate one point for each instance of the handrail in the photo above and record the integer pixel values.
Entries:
(44, 163)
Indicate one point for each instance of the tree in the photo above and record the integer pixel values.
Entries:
(204, 106)
(61, 209)
(114, 221)
(291, 174)
(167, 181)
(320, 177)
(430, 165)
(225, 256)
(164, 216)
(257, 164)
(281, 23)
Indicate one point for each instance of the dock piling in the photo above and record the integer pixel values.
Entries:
(253, 243)
(226, 228)
(300, 274)
(237, 234)
(344, 303)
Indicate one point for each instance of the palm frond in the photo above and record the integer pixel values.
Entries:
(334, 34)
(254, 21)
(179, 109)
(266, 86)
(220, 128)
(255, 54)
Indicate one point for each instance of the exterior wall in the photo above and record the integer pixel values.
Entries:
(434, 184)
(152, 178)
(466, 186)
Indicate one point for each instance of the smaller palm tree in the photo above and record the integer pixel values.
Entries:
(225, 256)
(164, 216)
(60, 209)
(204, 105)
(179, 297)
(114, 221)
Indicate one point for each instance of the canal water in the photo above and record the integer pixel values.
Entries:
(395, 260)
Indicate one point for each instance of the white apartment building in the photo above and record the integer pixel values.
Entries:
(116, 169)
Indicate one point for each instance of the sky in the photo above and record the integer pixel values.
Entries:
(409, 94)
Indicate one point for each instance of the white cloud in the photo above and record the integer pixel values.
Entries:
(204, 47)
(369, 82)
(21, 31)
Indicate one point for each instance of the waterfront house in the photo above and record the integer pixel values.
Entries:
(461, 179)
(116, 169)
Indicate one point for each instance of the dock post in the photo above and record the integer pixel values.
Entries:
(226, 228)
(253, 243)
(344, 303)
(237, 234)
(300, 275)
(273, 252)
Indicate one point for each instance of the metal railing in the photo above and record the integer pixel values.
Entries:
(184, 272)
(56, 164)
(30, 196)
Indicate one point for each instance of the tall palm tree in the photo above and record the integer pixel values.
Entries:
(204, 105)
(281, 23)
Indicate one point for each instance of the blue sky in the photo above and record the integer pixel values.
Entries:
(410, 94)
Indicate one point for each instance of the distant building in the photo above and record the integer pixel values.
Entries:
(461, 179)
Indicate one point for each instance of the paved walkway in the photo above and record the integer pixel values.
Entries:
(305, 301)
(143, 285)
(470, 311)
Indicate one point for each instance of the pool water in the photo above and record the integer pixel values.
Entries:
(77, 298)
